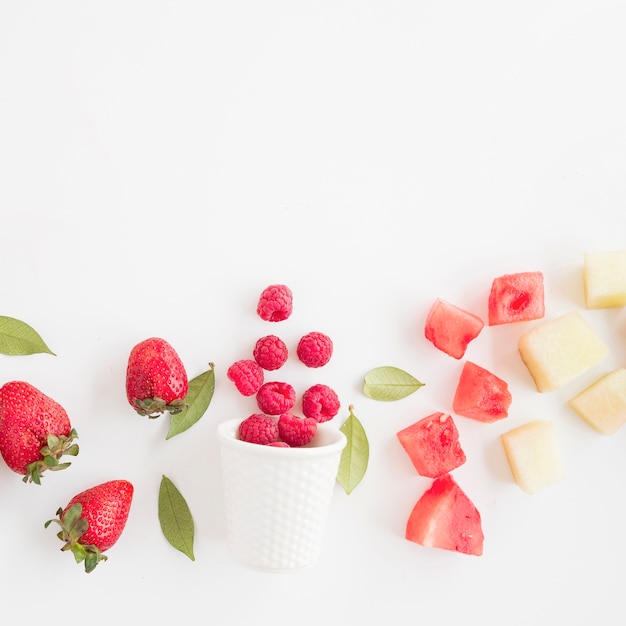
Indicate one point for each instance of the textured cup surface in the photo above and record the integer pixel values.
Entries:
(277, 500)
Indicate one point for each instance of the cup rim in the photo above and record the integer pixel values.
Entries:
(328, 440)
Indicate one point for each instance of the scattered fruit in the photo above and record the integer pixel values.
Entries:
(35, 431)
(561, 349)
(247, 375)
(93, 520)
(533, 454)
(320, 402)
(275, 303)
(270, 352)
(277, 398)
(604, 278)
(432, 444)
(156, 379)
(603, 404)
(516, 298)
(444, 517)
(315, 349)
(481, 395)
(450, 328)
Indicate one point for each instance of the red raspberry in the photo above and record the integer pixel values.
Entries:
(258, 428)
(247, 375)
(275, 398)
(315, 349)
(275, 303)
(270, 352)
(320, 402)
(279, 444)
(296, 431)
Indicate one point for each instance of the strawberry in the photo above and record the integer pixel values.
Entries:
(35, 431)
(156, 379)
(93, 520)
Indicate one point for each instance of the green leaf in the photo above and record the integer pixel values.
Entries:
(18, 338)
(355, 456)
(175, 518)
(389, 383)
(196, 402)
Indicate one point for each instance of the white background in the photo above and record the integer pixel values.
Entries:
(162, 162)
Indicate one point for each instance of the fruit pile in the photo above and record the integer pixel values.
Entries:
(276, 422)
(555, 353)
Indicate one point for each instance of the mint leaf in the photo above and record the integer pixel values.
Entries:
(355, 456)
(175, 518)
(389, 383)
(18, 338)
(196, 402)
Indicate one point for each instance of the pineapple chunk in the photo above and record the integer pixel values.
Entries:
(603, 404)
(561, 349)
(533, 454)
(604, 276)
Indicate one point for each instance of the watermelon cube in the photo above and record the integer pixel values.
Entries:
(450, 328)
(516, 298)
(432, 444)
(481, 395)
(444, 517)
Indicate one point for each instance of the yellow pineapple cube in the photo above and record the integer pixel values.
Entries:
(534, 455)
(604, 277)
(603, 404)
(561, 349)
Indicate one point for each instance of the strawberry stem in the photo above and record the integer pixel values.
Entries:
(154, 407)
(73, 527)
(56, 447)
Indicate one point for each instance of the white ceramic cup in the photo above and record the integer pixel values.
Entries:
(277, 500)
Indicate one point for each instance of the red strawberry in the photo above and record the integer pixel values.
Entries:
(35, 431)
(156, 379)
(93, 521)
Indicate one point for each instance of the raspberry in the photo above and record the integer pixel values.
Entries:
(258, 428)
(270, 352)
(247, 375)
(296, 431)
(315, 349)
(279, 444)
(275, 303)
(275, 398)
(320, 402)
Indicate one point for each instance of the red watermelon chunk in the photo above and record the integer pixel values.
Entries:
(481, 395)
(450, 328)
(516, 298)
(432, 444)
(444, 517)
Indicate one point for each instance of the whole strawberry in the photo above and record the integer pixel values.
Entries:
(93, 520)
(156, 379)
(35, 431)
